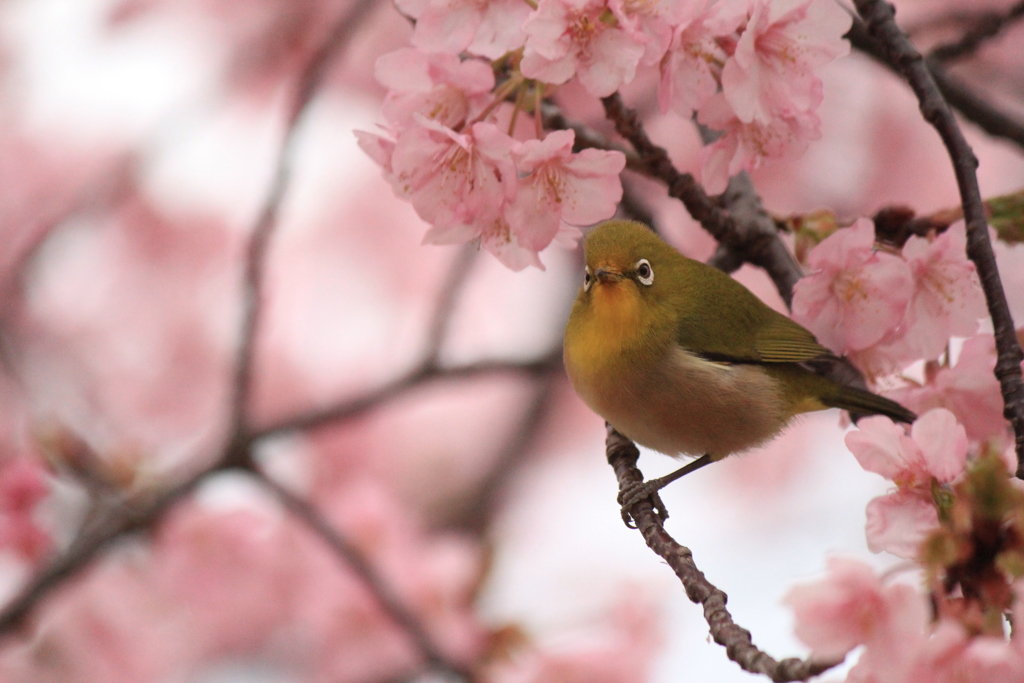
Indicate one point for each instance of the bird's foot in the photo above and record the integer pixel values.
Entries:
(636, 492)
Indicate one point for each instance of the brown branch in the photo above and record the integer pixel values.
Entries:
(754, 241)
(447, 299)
(975, 109)
(422, 374)
(987, 27)
(881, 24)
(114, 518)
(255, 261)
(108, 526)
(475, 512)
(353, 559)
(623, 455)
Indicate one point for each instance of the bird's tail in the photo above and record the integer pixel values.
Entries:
(861, 403)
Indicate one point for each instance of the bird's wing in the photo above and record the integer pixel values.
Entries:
(759, 335)
(727, 322)
(783, 341)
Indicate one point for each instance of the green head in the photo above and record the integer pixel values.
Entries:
(628, 257)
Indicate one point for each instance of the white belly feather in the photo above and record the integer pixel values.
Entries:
(690, 406)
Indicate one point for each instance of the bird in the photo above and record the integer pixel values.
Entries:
(679, 357)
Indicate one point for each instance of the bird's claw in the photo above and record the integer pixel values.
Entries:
(636, 492)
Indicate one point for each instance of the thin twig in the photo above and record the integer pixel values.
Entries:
(94, 537)
(418, 376)
(987, 27)
(881, 24)
(474, 514)
(457, 274)
(255, 259)
(623, 455)
(974, 108)
(354, 559)
(754, 242)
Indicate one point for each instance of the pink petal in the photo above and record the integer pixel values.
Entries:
(943, 443)
(899, 522)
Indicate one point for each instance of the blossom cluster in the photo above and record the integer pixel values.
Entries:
(452, 146)
(853, 606)
(886, 308)
(960, 521)
(933, 454)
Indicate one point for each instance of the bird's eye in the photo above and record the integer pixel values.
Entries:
(587, 279)
(644, 273)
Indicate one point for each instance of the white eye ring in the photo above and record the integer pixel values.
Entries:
(644, 272)
(588, 279)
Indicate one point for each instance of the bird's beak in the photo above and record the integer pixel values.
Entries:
(606, 274)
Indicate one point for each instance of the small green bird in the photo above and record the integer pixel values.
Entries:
(680, 357)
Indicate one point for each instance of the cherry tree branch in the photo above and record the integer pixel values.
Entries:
(305, 89)
(354, 560)
(110, 519)
(975, 109)
(108, 524)
(423, 374)
(879, 17)
(754, 241)
(475, 513)
(986, 27)
(739, 647)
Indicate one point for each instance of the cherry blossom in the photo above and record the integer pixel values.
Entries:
(23, 484)
(935, 451)
(440, 87)
(458, 182)
(489, 28)
(691, 69)
(771, 72)
(854, 294)
(619, 650)
(969, 389)
(947, 300)
(562, 190)
(852, 606)
(744, 146)
(567, 38)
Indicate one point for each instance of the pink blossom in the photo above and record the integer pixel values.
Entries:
(899, 522)
(23, 485)
(458, 182)
(952, 656)
(440, 87)
(771, 73)
(489, 28)
(561, 190)
(744, 146)
(567, 38)
(947, 299)
(969, 389)
(652, 22)
(850, 607)
(935, 451)
(691, 69)
(619, 650)
(854, 295)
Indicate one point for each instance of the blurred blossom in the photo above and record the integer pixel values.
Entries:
(618, 650)
(220, 582)
(266, 40)
(851, 607)
(934, 451)
(23, 484)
